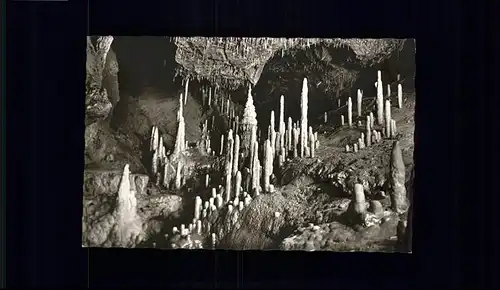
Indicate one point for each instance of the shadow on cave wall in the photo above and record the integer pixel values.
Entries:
(144, 62)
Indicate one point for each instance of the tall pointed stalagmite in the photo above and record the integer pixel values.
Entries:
(359, 102)
(380, 99)
(129, 224)
(282, 126)
(248, 121)
(268, 165)
(388, 123)
(303, 117)
(400, 96)
(349, 112)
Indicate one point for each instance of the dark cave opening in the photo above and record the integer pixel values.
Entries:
(145, 61)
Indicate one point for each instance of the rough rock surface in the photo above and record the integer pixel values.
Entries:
(136, 116)
(236, 62)
(336, 236)
(110, 150)
(100, 219)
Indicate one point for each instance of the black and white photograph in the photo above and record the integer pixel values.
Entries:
(240, 143)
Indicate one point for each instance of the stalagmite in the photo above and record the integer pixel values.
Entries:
(393, 128)
(248, 121)
(296, 138)
(282, 119)
(210, 97)
(166, 176)
(303, 123)
(214, 240)
(400, 96)
(312, 142)
(349, 112)
(152, 141)
(359, 199)
(237, 185)
(236, 155)
(368, 133)
(198, 227)
(342, 122)
(154, 165)
(186, 91)
(388, 90)
(380, 99)
(359, 101)
(197, 207)
(221, 144)
(347, 149)
(372, 120)
(387, 118)
(355, 147)
(255, 165)
(289, 134)
(219, 201)
(206, 180)
(129, 223)
(397, 180)
(178, 176)
(267, 164)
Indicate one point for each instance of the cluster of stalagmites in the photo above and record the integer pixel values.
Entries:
(387, 126)
(251, 159)
(250, 164)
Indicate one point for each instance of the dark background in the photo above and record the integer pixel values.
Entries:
(455, 139)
